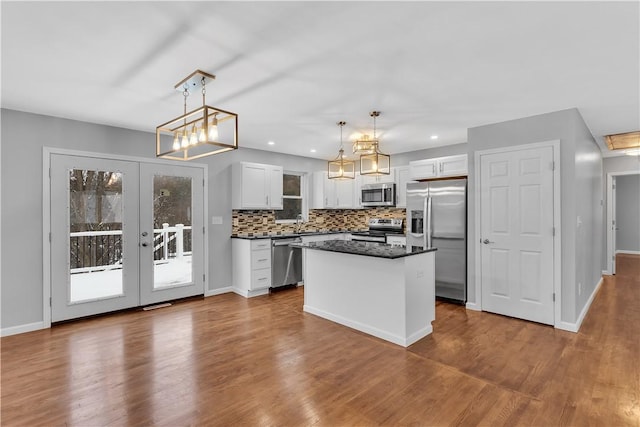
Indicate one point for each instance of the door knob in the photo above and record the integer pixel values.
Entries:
(145, 244)
(487, 241)
(145, 234)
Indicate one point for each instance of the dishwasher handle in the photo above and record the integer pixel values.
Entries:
(285, 242)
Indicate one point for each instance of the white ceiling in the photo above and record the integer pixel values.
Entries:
(291, 70)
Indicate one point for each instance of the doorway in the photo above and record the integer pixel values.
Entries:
(517, 228)
(623, 208)
(123, 233)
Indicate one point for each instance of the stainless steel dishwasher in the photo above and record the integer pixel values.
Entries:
(286, 263)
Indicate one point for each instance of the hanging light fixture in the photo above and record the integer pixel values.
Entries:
(341, 168)
(375, 162)
(364, 145)
(202, 132)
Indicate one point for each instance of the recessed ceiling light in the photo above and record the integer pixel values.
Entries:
(313, 150)
(434, 136)
(271, 143)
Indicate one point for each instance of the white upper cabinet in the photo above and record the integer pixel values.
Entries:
(374, 179)
(333, 193)
(256, 186)
(440, 167)
(402, 179)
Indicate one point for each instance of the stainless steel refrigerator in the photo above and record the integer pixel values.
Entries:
(437, 217)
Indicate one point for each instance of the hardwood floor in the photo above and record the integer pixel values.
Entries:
(226, 360)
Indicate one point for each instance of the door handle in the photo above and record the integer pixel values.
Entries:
(487, 241)
(145, 244)
(145, 234)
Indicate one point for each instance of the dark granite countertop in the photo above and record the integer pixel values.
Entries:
(373, 249)
(285, 235)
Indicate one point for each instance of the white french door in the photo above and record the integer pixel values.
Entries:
(171, 232)
(516, 221)
(123, 234)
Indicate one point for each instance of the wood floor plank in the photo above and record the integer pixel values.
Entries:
(227, 360)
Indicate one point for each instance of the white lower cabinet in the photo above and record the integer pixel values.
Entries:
(251, 266)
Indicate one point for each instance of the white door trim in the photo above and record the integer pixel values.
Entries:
(557, 239)
(46, 213)
(610, 217)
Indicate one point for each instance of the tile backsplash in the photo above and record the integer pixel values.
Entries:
(249, 223)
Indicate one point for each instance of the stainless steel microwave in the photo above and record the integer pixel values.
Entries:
(383, 194)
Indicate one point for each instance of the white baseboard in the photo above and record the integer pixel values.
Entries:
(249, 294)
(575, 327)
(473, 306)
(219, 291)
(628, 252)
(606, 273)
(21, 329)
(378, 333)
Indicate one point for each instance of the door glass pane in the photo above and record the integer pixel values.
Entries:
(172, 231)
(95, 234)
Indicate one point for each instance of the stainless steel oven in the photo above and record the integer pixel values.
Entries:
(379, 229)
(383, 194)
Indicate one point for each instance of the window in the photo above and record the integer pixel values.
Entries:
(293, 197)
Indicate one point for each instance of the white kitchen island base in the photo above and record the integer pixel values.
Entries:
(392, 299)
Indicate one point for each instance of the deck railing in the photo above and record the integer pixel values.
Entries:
(102, 250)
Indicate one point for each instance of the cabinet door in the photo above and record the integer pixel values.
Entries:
(402, 178)
(423, 169)
(329, 186)
(255, 181)
(453, 166)
(377, 179)
(275, 187)
(345, 194)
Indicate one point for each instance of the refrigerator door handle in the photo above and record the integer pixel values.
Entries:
(428, 225)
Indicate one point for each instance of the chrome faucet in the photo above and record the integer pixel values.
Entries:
(299, 222)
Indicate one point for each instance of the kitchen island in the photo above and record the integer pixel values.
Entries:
(382, 290)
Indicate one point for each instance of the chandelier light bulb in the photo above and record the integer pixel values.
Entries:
(202, 135)
(185, 139)
(193, 139)
(176, 141)
(213, 130)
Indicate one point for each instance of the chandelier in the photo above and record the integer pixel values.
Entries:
(341, 168)
(365, 144)
(202, 132)
(375, 162)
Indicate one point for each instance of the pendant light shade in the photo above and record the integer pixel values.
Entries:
(375, 162)
(340, 168)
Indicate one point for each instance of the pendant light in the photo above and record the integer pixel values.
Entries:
(375, 163)
(341, 168)
(202, 132)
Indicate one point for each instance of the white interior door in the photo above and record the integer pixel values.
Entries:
(516, 216)
(94, 228)
(171, 232)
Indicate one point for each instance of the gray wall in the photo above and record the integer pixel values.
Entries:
(628, 213)
(590, 208)
(23, 137)
(579, 161)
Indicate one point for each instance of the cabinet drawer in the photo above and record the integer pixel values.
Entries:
(260, 244)
(261, 279)
(261, 259)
